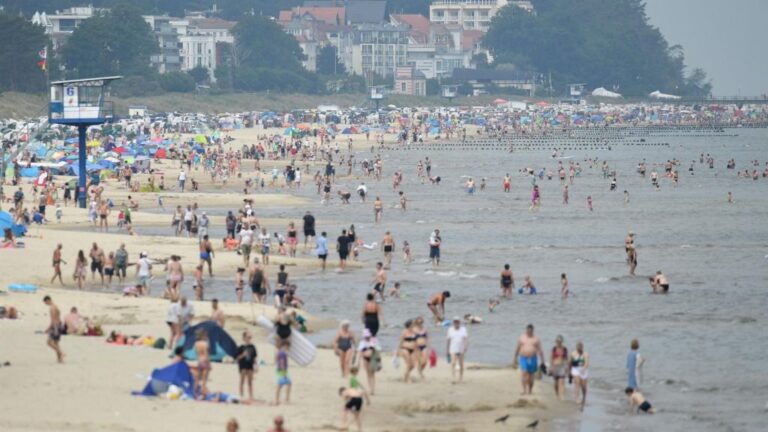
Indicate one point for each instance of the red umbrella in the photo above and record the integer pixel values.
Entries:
(500, 101)
(542, 104)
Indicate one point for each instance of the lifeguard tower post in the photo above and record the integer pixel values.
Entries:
(81, 103)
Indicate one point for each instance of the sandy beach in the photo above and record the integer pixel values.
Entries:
(92, 389)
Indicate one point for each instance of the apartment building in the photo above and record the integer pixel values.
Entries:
(471, 14)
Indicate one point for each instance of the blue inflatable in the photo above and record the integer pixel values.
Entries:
(25, 288)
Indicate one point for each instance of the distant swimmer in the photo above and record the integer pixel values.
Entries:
(564, 289)
(661, 282)
(379, 281)
(507, 183)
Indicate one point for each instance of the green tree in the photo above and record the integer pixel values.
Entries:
(328, 62)
(200, 75)
(180, 82)
(262, 43)
(21, 43)
(598, 42)
(117, 42)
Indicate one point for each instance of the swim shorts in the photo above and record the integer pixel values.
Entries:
(529, 364)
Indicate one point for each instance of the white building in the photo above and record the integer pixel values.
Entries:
(61, 24)
(166, 30)
(200, 42)
(471, 14)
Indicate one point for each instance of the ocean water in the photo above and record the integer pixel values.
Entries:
(705, 342)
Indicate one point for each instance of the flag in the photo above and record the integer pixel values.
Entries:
(43, 53)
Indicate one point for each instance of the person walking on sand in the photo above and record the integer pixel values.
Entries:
(527, 355)
(206, 254)
(558, 366)
(353, 403)
(456, 344)
(57, 260)
(246, 363)
(80, 269)
(54, 328)
(283, 380)
(580, 373)
(342, 247)
(309, 228)
(343, 346)
(379, 281)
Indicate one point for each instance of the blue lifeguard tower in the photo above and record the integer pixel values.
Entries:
(81, 103)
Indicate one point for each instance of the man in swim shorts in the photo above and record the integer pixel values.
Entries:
(661, 281)
(637, 400)
(528, 348)
(54, 328)
(379, 280)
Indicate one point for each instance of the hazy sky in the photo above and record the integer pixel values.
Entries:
(727, 38)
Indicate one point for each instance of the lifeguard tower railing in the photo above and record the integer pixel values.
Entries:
(81, 101)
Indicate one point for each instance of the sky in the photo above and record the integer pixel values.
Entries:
(726, 38)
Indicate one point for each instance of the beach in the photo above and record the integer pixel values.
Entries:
(92, 389)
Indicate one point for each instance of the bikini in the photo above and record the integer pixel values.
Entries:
(409, 339)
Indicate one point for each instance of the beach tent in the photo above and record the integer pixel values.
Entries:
(6, 221)
(602, 92)
(220, 342)
(177, 374)
(659, 95)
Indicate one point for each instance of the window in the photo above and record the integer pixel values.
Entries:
(67, 25)
(199, 49)
(402, 86)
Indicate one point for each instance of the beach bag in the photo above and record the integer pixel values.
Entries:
(432, 358)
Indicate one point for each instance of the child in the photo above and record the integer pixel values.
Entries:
(239, 284)
(353, 381)
(395, 291)
(353, 403)
(636, 399)
(60, 213)
(528, 285)
(492, 303)
(120, 219)
(283, 380)
(199, 283)
(406, 252)
(246, 363)
(280, 244)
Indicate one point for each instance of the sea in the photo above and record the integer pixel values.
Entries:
(705, 343)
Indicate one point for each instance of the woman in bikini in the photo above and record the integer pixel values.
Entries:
(558, 368)
(342, 346)
(293, 239)
(81, 265)
(408, 349)
(422, 343)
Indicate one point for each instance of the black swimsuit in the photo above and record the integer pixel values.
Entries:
(371, 322)
(354, 404)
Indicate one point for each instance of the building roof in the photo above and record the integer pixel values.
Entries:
(330, 15)
(418, 24)
(491, 75)
(366, 11)
(212, 23)
(471, 39)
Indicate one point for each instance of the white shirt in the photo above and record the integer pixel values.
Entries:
(362, 188)
(173, 313)
(182, 175)
(265, 239)
(144, 266)
(246, 236)
(188, 215)
(458, 339)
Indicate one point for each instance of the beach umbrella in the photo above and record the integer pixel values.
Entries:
(201, 139)
(542, 104)
(346, 131)
(500, 101)
(6, 220)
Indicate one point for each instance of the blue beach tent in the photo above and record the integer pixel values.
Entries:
(177, 374)
(220, 343)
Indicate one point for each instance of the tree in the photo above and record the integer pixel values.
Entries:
(599, 42)
(21, 43)
(200, 75)
(177, 82)
(328, 62)
(262, 43)
(117, 42)
(266, 58)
